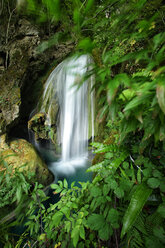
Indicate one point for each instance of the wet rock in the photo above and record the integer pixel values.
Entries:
(23, 69)
(41, 129)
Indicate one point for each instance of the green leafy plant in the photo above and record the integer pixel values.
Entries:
(124, 204)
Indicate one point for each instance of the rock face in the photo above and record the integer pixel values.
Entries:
(23, 69)
(21, 155)
(37, 125)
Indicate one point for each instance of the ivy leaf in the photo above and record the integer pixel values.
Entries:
(153, 182)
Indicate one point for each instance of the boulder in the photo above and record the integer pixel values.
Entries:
(21, 154)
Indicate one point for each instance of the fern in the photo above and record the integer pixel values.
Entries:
(135, 236)
(142, 232)
(153, 220)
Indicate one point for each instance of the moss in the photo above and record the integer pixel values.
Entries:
(21, 155)
(38, 124)
(98, 158)
(110, 139)
(37, 119)
(2, 124)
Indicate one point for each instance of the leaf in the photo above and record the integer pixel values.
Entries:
(160, 93)
(57, 218)
(75, 235)
(106, 189)
(137, 202)
(161, 210)
(157, 173)
(158, 38)
(162, 186)
(139, 177)
(112, 90)
(65, 184)
(116, 162)
(138, 101)
(112, 183)
(127, 94)
(82, 232)
(65, 210)
(153, 182)
(113, 215)
(42, 237)
(19, 193)
(104, 232)
(119, 192)
(96, 221)
(86, 45)
(159, 233)
(67, 226)
(89, 5)
(54, 186)
(125, 165)
(95, 191)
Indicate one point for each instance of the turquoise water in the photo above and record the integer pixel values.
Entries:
(73, 170)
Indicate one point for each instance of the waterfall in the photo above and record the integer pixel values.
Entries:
(64, 87)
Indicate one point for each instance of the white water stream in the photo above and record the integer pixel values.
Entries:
(76, 104)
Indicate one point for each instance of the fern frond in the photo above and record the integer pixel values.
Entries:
(135, 236)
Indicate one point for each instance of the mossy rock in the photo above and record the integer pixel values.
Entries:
(3, 142)
(38, 125)
(38, 118)
(21, 154)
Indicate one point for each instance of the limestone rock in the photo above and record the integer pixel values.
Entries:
(3, 142)
(41, 129)
(21, 154)
(23, 69)
(9, 106)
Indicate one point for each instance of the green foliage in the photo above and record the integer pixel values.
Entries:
(12, 184)
(124, 204)
(138, 199)
(117, 197)
(16, 195)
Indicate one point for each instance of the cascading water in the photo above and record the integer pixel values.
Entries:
(76, 111)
